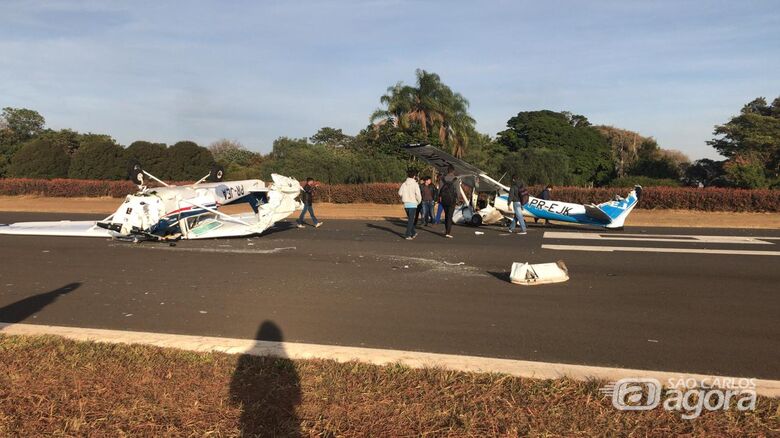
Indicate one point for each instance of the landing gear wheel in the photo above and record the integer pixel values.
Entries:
(135, 172)
(217, 173)
(476, 220)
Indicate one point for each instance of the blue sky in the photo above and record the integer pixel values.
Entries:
(257, 70)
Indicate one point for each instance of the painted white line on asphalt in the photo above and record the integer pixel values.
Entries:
(659, 250)
(660, 238)
(292, 350)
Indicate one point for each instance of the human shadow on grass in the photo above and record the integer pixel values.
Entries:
(267, 388)
(21, 310)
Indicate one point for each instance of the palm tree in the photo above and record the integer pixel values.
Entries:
(432, 105)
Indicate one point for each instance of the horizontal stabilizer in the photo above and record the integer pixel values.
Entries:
(598, 214)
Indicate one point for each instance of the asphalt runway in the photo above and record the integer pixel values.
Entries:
(650, 305)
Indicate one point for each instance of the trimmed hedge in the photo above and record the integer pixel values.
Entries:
(685, 198)
(706, 199)
(67, 188)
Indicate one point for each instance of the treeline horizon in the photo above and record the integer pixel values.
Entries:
(540, 147)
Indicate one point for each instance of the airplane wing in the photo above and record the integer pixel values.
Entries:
(57, 228)
(440, 159)
(467, 173)
(596, 213)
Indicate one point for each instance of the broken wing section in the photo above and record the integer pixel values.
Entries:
(281, 202)
(527, 274)
(57, 228)
(617, 211)
(469, 174)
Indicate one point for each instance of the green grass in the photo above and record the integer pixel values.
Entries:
(52, 386)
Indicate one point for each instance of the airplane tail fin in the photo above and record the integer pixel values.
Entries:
(618, 210)
(281, 200)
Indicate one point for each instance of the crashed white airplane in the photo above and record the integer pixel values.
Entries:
(182, 212)
(495, 207)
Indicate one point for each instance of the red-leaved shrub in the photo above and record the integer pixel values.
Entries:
(706, 199)
(68, 188)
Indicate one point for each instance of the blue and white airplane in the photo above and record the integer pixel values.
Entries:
(610, 214)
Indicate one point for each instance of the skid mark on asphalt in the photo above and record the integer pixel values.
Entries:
(439, 266)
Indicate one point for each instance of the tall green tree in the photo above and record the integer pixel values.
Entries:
(624, 145)
(433, 106)
(18, 125)
(40, 158)
(488, 155)
(654, 162)
(98, 157)
(187, 161)
(333, 165)
(331, 137)
(152, 156)
(751, 140)
(238, 161)
(588, 152)
(704, 172)
(538, 166)
(68, 139)
(227, 152)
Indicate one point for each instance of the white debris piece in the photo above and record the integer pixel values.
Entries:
(540, 273)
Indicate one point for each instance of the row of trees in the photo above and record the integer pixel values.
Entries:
(539, 146)
(28, 149)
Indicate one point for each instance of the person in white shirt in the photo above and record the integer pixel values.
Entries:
(411, 197)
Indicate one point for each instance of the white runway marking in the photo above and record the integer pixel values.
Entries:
(673, 238)
(659, 250)
(290, 350)
(661, 238)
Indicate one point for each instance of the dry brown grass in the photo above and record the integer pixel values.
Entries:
(52, 386)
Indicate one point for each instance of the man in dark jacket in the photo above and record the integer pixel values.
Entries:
(448, 197)
(518, 196)
(429, 194)
(439, 207)
(545, 194)
(308, 197)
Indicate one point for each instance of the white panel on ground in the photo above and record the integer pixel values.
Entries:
(540, 273)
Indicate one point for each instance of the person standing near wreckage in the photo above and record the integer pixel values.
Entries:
(411, 197)
(308, 200)
(439, 208)
(448, 197)
(429, 193)
(518, 196)
(545, 195)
